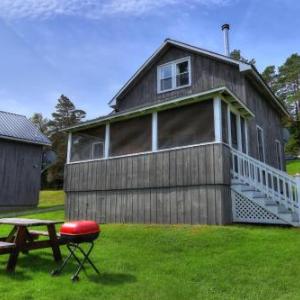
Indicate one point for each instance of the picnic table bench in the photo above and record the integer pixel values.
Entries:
(22, 239)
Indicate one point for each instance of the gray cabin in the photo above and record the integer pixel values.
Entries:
(195, 137)
(21, 145)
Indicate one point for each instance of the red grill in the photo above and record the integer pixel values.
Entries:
(75, 233)
(80, 231)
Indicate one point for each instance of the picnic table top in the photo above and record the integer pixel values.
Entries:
(28, 222)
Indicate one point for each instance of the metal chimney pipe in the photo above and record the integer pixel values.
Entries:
(225, 29)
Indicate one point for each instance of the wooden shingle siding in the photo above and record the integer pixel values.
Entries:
(189, 185)
(181, 205)
(268, 118)
(183, 167)
(207, 73)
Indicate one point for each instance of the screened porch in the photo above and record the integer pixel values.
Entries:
(217, 118)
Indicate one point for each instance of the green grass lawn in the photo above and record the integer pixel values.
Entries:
(168, 262)
(293, 167)
(51, 198)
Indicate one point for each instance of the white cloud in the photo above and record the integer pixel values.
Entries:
(95, 9)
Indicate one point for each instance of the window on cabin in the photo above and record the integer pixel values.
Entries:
(260, 144)
(88, 144)
(186, 125)
(131, 136)
(234, 130)
(166, 77)
(182, 74)
(243, 135)
(174, 75)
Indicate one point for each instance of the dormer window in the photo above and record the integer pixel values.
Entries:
(174, 75)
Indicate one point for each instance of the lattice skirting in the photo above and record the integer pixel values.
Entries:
(245, 211)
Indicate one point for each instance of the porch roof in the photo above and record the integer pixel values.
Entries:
(223, 92)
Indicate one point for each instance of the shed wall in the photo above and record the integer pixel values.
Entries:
(20, 174)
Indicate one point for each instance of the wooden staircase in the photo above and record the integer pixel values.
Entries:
(263, 194)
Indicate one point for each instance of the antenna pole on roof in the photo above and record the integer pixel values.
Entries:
(225, 29)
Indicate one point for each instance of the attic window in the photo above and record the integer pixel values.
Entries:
(174, 75)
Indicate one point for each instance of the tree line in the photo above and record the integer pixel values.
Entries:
(64, 116)
(283, 80)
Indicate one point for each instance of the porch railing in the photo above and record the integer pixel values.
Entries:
(275, 184)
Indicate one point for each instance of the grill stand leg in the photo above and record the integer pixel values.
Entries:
(72, 248)
(85, 259)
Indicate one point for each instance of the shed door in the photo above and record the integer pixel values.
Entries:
(20, 172)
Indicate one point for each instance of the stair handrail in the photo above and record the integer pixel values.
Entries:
(277, 185)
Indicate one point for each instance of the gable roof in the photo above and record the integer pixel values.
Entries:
(243, 67)
(19, 128)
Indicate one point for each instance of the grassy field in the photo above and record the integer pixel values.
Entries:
(293, 167)
(168, 262)
(51, 198)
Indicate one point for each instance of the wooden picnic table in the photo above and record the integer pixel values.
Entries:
(22, 239)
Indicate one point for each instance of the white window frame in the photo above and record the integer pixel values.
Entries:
(280, 164)
(263, 142)
(173, 64)
(93, 148)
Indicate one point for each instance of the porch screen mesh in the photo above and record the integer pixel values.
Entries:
(88, 144)
(186, 125)
(224, 122)
(131, 136)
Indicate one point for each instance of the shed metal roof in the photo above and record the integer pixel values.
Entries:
(18, 127)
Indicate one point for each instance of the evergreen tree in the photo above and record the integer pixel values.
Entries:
(65, 116)
(40, 122)
(236, 54)
(289, 80)
(285, 83)
(271, 77)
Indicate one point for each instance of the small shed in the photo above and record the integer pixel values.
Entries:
(21, 148)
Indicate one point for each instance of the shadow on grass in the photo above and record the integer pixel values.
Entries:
(44, 263)
(17, 275)
(112, 278)
(26, 263)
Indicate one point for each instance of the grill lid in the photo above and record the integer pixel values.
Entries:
(79, 228)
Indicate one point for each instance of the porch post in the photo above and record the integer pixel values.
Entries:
(154, 131)
(69, 147)
(107, 140)
(218, 119)
(229, 125)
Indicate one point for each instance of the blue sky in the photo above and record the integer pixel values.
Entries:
(87, 49)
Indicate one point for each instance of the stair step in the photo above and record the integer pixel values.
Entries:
(237, 182)
(248, 189)
(283, 210)
(259, 196)
(269, 202)
(286, 216)
(266, 202)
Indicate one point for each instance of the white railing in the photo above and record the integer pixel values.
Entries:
(275, 184)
